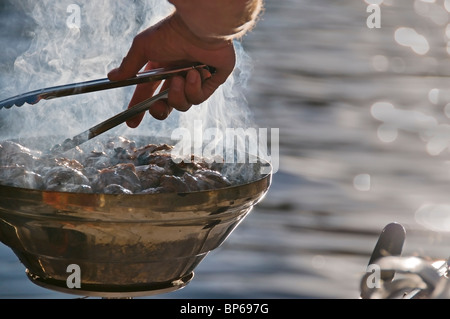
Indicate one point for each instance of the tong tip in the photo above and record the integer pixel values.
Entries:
(19, 101)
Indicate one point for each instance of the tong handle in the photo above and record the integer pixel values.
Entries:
(106, 84)
(34, 97)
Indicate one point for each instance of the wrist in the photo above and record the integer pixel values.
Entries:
(200, 39)
(216, 20)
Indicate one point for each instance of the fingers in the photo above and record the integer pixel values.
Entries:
(161, 110)
(167, 46)
(185, 92)
(141, 93)
(194, 89)
(211, 84)
(132, 63)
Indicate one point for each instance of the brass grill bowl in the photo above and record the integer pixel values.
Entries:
(125, 245)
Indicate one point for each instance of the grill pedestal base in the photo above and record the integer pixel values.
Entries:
(122, 292)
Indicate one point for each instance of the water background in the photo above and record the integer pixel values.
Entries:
(364, 133)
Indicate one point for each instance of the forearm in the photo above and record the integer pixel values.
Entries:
(218, 20)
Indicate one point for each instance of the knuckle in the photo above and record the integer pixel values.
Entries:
(183, 108)
(195, 97)
(138, 39)
(196, 100)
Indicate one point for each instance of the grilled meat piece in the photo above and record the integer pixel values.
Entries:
(121, 174)
(117, 167)
(171, 183)
(12, 153)
(65, 179)
(98, 160)
(19, 176)
(116, 190)
(149, 175)
(213, 178)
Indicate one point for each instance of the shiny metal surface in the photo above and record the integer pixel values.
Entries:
(95, 85)
(111, 122)
(123, 244)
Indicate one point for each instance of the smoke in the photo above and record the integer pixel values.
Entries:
(83, 40)
(73, 42)
(227, 108)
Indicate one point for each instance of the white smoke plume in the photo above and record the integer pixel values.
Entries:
(83, 40)
(61, 53)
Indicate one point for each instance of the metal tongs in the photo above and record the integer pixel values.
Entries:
(34, 97)
(110, 123)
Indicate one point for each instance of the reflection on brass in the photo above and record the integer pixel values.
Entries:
(123, 244)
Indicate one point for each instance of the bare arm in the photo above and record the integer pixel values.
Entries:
(216, 20)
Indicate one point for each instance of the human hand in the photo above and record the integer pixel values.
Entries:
(170, 43)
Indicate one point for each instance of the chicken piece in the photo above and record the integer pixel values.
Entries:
(70, 188)
(149, 175)
(212, 178)
(115, 189)
(65, 179)
(121, 174)
(12, 153)
(19, 176)
(121, 142)
(120, 150)
(91, 173)
(144, 155)
(98, 160)
(190, 167)
(45, 163)
(162, 160)
(154, 190)
(193, 183)
(122, 155)
(170, 183)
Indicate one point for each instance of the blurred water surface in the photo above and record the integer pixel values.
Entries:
(364, 134)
